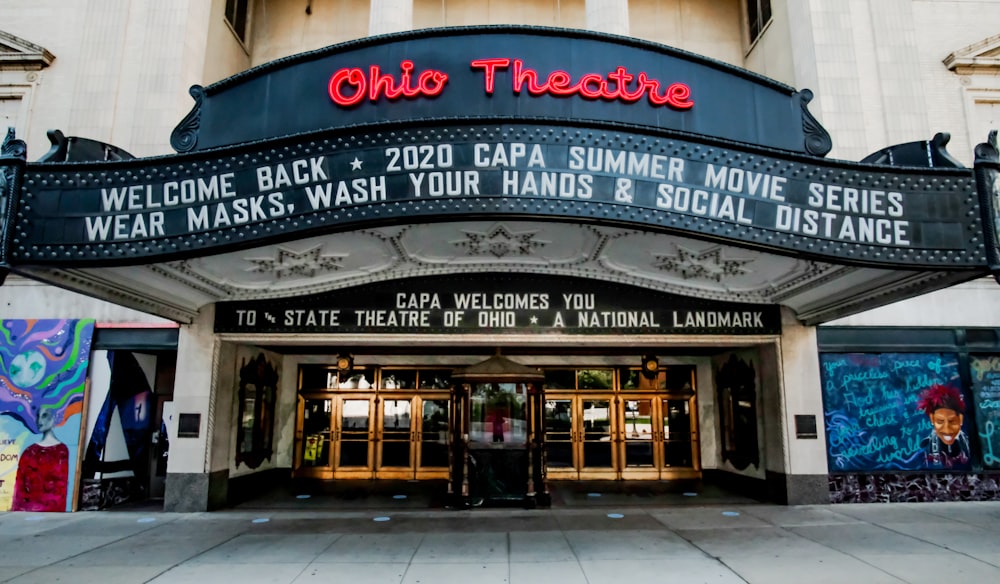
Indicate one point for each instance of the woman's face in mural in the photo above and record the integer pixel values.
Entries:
(947, 424)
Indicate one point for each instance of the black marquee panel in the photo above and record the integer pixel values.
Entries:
(188, 205)
(497, 122)
(496, 304)
(522, 73)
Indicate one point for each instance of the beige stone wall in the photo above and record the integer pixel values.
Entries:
(437, 13)
(876, 67)
(224, 54)
(120, 72)
(778, 49)
(942, 28)
(280, 28)
(707, 27)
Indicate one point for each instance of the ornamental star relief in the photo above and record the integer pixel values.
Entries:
(291, 263)
(500, 242)
(707, 265)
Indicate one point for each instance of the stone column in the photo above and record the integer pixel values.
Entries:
(197, 466)
(805, 473)
(390, 16)
(609, 16)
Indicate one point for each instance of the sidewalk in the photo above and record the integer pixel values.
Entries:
(390, 541)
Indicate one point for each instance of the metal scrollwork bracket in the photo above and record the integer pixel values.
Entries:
(13, 155)
(987, 168)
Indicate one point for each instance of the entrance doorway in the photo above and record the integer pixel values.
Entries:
(390, 432)
(633, 427)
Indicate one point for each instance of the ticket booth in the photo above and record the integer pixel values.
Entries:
(499, 434)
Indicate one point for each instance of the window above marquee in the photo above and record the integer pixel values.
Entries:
(758, 15)
(238, 16)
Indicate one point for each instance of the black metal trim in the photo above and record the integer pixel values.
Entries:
(817, 140)
(13, 155)
(987, 171)
(184, 138)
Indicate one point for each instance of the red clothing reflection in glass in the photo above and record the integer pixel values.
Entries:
(41, 483)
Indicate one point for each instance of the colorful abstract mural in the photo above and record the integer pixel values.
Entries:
(43, 374)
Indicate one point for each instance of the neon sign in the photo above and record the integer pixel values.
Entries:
(350, 86)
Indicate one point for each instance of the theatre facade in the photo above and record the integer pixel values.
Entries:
(496, 257)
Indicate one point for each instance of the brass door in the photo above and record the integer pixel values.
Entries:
(580, 437)
(627, 436)
(352, 436)
(412, 437)
(658, 437)
(314, 437)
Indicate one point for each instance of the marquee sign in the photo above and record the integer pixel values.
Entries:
(188, 205)
(496, 304)
(509, 73)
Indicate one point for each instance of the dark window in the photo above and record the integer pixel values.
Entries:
(236, 14)
(758, 15)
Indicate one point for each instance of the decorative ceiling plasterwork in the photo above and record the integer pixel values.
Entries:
(667, 263)
(290, 263)
(500, 242)
(657, 261)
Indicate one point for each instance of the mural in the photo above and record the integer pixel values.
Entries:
(894, 412)
(986, 396)
(43, 373)
(120, 428)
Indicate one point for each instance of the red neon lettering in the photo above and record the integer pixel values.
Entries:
(490, 67)
(352, 78)
(351, 86)
(613, 86)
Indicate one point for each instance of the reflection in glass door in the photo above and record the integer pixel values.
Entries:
(432, 456)
(395, 458)
(640, 458)
(659, 438)
(352, 438)
(628, 436)
(412, 438)
(597, 447)
(314, 444)
(364, 436)
(580, 437)
(560, 438)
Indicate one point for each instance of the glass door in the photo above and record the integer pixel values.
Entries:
(598, 456)
(353, 433)
(412, 437)
(581, 434)
(659, 440)
(641, 449)
(395, 438)
(432, 445)
(314, 439)
(561, 421)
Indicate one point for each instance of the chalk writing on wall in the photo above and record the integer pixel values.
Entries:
(873, 421)
(986, 396)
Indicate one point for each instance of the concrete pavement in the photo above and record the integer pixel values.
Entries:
(391, 541)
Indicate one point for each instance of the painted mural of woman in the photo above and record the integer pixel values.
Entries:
(43, 370)
(42, 471)
(947, 446)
